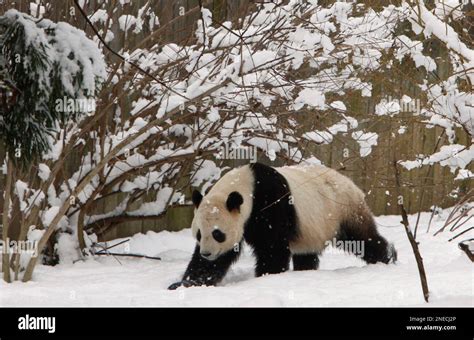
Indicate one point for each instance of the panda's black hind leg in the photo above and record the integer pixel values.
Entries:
(305, 261)
(360, 236)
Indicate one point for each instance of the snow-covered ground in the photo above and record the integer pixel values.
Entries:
(342, 280)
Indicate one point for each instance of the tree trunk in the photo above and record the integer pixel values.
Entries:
(5, 222)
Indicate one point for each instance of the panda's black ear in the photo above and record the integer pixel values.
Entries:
(197, 198)
(234, 201)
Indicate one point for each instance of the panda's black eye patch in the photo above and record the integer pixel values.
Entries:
(218, 235)
(198, 235)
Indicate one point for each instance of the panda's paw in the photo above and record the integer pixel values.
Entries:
(175, 285)
(183, 283)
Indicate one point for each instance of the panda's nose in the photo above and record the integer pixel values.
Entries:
(205, 254)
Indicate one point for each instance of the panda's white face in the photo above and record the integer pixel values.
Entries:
(218, 224)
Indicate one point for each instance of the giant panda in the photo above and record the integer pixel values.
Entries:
(282, 213)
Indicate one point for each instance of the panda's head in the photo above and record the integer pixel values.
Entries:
(218, 223)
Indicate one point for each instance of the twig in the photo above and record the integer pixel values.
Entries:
(452, 215)
(131, 255)
(431, 219)
(465, 248)
(411, 238)
(457, 225)
(105, 249)
(122, 57)
(112, 246)
(463, 232)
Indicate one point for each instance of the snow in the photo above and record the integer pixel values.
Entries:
(69, 49)
(20, 189)
(213, 115)
(206, 170)
(49, 215)
(325, 137)
(126, 21)
(156, 207)
(37, 10)
(455, 156)
(43, 171)
(342, 280)
(99, 16)
(366, 141)
(434, 25)
(310, 97)
(464, 174)
(387, 108)
(66, 248)
(414, 49)
(338, 105)
(445, 8)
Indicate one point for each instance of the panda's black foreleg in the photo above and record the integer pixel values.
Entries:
(305, 261)
(272, 259)
(202, 272)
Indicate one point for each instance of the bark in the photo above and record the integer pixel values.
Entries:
(5, 222)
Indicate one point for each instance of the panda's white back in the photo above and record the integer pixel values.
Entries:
(323, 198)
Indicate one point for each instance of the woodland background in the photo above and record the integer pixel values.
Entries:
(422, 188)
